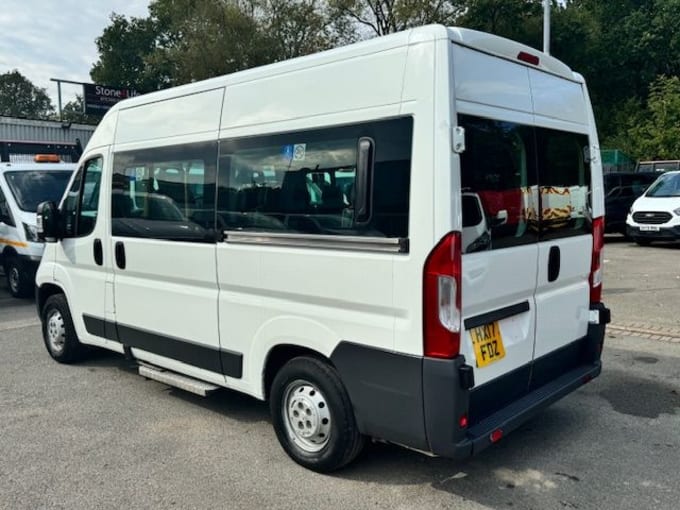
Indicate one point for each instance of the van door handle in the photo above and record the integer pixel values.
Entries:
(554, 263)
(98, 252)
(120, 255)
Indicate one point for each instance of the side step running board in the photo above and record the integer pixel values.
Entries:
(182, 382)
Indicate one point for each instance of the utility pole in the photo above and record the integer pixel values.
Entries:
(546, 27)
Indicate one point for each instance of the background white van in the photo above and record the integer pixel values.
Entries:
(22, 187)
(655, 216)
(297, 232)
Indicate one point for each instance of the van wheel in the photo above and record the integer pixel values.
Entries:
(58, 331)
(643, 242)
(18, 281)
(313, 416)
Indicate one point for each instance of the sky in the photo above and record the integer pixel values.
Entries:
(46, 39)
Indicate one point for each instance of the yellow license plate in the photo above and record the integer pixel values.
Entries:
(488, 344)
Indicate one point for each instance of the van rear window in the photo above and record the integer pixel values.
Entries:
(533, 184)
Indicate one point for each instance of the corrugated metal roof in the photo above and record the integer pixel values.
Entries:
(44, 131)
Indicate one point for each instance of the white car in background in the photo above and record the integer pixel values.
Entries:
(655, 216)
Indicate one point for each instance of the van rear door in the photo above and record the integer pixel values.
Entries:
(565, 239)
(500, 257)
(500, 250)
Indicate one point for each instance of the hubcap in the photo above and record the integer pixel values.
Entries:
(14, 279)
(56, 332)
(306, 416)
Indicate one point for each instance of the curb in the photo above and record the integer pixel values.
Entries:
(661, 334)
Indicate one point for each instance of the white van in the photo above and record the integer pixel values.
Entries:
(22, 187)
(293, 232)
(655, 216)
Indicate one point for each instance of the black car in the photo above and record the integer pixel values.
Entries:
(620, 190)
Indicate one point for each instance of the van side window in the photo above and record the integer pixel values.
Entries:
(564, 176)
(165, 193)
(5, 213)
(79, 209)
(304, 182)
(499, 185)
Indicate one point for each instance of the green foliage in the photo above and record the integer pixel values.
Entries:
(620, 46)
(73, 112)
(20, 98)
(520, 20)
(656, 133)
(186, 40)
(125, 48)
(382, 17)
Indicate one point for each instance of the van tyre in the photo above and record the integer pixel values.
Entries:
(313, 416)
(18, 280)
(58, 331)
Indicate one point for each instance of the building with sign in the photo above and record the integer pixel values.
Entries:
(20, 138)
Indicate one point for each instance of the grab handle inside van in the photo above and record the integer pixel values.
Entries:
(364, 181)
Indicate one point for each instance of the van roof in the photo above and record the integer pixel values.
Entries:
(481, 41)
(510, 50)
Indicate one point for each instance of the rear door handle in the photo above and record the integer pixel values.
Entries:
(554, 263)
(98, 252)
(120, 255)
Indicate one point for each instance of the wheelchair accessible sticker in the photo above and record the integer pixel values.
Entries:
(295, 152)
(299, 150)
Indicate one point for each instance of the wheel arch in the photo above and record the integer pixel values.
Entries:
(44, 292)
(281, 354)
(7, 253)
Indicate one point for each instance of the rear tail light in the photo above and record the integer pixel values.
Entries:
(442, 299)
(597, 260)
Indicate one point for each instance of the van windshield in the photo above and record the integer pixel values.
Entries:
(33, 187)
(667, 185)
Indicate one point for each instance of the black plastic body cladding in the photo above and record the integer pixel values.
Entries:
(418, 402)
(386, 390)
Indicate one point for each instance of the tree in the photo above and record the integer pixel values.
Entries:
(125, 49)
(73, 112)
(205, 38)
(292, 28)
(621, 47)
(388, 16)
(519, 20)
(186, 40)
(656, 134)
(20, 98)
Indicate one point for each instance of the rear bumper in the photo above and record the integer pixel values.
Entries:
(479, 436)
(418, 402)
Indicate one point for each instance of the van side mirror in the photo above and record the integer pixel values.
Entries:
(364, 181)
(47, 222)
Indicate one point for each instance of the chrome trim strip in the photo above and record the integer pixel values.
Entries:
(327, 242)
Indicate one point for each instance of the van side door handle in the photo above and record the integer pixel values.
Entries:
(98, 252)
(120, 255)
(554, 263)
